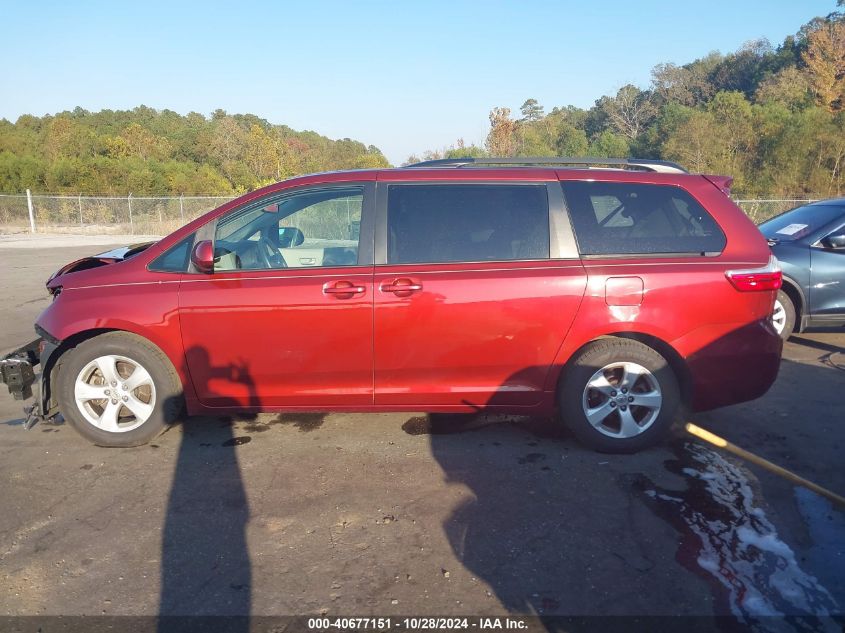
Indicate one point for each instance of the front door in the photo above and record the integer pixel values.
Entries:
(286, 317)
(469, 309)
(827, 281)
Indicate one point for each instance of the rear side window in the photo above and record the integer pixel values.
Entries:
(615, 218)
(467, 223)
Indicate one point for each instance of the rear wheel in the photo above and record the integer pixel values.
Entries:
(783, 315)
(118, 389)
(619, 396)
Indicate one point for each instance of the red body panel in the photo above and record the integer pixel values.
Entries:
(473, 335)
(274, 338)
(463, 336)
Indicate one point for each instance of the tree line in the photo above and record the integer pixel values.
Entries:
(146, 151)
(771, 117)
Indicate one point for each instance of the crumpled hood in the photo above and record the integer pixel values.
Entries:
(125, 252)
(113, 256)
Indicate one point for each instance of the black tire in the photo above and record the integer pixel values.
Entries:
(600, 354)
(168, 403)
(789, 314)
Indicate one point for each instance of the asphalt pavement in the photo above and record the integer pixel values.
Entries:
(407, 514)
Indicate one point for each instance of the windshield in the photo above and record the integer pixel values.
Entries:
(798, 223)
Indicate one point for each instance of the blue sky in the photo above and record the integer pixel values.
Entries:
(404, 76)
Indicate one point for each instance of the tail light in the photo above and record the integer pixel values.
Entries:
(768, 277)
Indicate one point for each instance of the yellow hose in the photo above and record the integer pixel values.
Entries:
(715, 440)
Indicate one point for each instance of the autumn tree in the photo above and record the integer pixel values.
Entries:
(825, 60)
(148, 151)
(139, 142)
(228, 139)
(501, 140)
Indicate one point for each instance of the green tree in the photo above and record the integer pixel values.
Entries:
(685, 85)
(609, 144)
(571, 141)
(531, 110)
(692, 141)
(789, 87)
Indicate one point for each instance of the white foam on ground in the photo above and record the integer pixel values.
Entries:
(741, 549)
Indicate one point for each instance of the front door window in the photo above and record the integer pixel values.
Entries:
(312, 229)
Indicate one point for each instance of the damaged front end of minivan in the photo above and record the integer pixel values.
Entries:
(18, 368)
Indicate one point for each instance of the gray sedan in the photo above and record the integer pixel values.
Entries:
(809, 243)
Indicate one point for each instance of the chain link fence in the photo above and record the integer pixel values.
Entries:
(160, 215)
(761, 210)
(140, 215)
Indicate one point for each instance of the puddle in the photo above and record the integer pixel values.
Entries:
(826, 527)
(256, 428)
(417, 426)
(447, 423)
(305, 422)
(727, 539)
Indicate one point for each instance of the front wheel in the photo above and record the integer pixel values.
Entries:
(118, 389)
(619, 396)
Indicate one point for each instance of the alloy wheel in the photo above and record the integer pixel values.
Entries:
(115, 393)
(622, 399)
(779, 316)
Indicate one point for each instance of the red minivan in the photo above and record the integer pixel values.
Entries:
(615, 293)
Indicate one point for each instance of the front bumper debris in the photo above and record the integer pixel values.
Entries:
(16, 370)
(18, 374)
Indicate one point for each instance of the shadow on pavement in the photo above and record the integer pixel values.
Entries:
(806, 342)
(205, 565)
(560, 531)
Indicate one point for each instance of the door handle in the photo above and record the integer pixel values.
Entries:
(343, 288)
(401, 285)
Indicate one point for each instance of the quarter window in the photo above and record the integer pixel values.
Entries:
(613, 218)
(175, 259)
(467, 223)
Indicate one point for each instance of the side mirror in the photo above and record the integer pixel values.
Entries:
(202, 257)
(834, 240)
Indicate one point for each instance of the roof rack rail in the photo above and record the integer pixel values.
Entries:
(642, 164)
